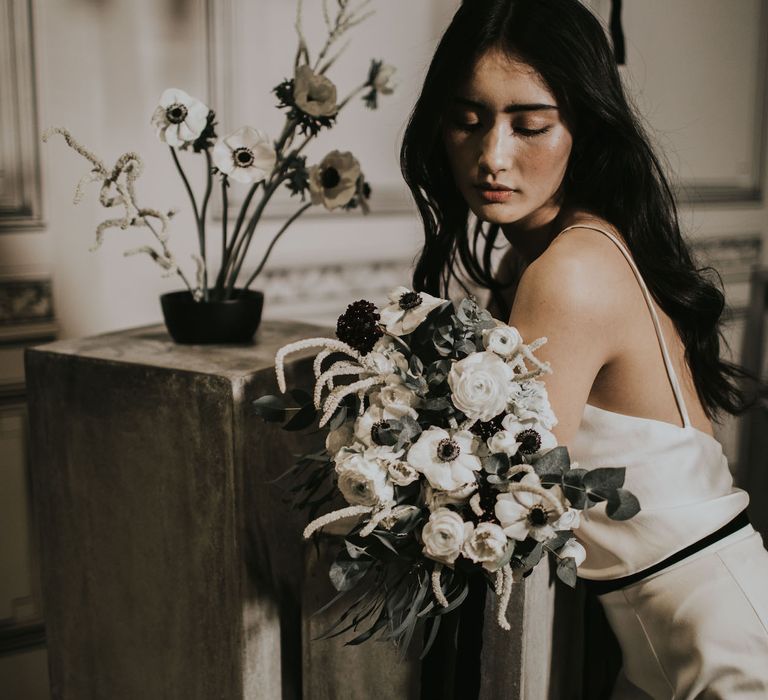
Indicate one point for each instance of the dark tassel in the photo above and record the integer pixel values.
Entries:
(617, 33)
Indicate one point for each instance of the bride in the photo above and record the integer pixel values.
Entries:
(523, 122)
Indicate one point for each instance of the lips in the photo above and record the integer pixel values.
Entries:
(495, 193)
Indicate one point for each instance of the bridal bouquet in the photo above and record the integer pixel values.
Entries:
(247, 157)
(439, 440)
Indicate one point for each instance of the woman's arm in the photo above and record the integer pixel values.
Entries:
(564, 295)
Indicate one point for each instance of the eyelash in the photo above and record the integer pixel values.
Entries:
(525, 133)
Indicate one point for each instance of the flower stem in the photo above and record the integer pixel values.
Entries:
(242, 250)
(206, 199)
(282, 230)
(200, 229)
(225, 216)
(226, 261)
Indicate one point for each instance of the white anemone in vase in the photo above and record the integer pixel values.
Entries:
(179, 118)
(333, 182)
(383, 82)
(530, 513)
(480, 385)
(246, 156)
(313, 93)
(407, 310)
(448, 461)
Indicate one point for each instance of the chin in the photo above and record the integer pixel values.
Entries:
(497, 213)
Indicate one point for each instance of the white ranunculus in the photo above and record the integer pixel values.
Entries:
(444, 534)
(338, 438)
(383, 80)
(573, 548)
(503, 340)
(363, 481)
(246, 156)
(448, 461)
(407, 310)
(529, 401)
(402, 473)
(386, 359)
(179, 118)
(480, 385)
(523, 514)
(486, 545)
(532, 435)
(333, 182)
(569, 520)
(313, 93)
(505, 442)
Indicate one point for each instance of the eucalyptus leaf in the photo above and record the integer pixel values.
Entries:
(534, 556)
(304, 417)
(622, 505)
(271, 408)
(573, 487)
(416, 365)
(345, 574)
(554, 461)
(300, 396)
(566, 571)
(493, 464)
(605, 478)
(338, 418)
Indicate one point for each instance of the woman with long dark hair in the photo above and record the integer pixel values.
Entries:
(523, 132)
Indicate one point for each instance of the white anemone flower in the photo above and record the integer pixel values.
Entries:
(407, 310)
(448, 461)
(531, 434)
(533, 512)
(313, 93)
(179, 118)
(383, 81)
(333, 183)
(246, 156)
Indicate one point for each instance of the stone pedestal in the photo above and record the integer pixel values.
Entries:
(173, 568)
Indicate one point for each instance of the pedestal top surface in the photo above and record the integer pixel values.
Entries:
(151, 345)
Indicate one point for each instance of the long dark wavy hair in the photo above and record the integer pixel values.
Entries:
(613, 173)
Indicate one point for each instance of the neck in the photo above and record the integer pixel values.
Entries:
(531, 236)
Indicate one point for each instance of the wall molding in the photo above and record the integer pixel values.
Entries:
(20, 181)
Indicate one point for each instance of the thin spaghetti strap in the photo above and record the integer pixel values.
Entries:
(659, 334)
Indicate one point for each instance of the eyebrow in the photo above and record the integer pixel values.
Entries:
(508, 109)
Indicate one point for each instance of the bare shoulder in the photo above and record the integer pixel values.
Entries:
(582, 272)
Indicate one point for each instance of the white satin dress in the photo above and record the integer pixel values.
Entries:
(698, 628)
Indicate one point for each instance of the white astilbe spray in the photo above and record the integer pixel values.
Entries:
(506, 594)
(437, 589)
(329, 344)
(118, 189)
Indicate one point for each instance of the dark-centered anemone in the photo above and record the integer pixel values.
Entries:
(375, 431)
(530, 441)
(330, 178)
(243, 157)
(486, 429)
(538, 516)
(176, 113)
(409, 300)
(448, 450)
(358, 326)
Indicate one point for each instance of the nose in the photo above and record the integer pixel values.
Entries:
(496, 151)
